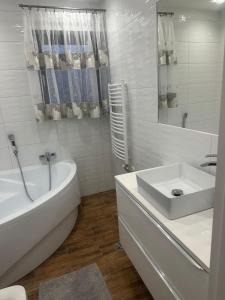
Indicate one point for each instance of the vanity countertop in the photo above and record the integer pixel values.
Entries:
(192, 232)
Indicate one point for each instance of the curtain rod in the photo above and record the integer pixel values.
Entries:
(63, 8)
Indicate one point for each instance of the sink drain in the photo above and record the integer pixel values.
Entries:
(177, 193)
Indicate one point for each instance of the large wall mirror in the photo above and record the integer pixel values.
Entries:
(191, 54)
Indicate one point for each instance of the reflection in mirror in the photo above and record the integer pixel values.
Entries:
(191, 53)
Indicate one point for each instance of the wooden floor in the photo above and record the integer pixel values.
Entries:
(93, 241)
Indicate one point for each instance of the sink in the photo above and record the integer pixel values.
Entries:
(15, 292)
(177, 190)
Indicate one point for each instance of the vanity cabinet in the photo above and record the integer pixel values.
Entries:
(166, 268)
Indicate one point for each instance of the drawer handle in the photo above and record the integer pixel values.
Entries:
(150, 259)
(179, 248)
(166, 234)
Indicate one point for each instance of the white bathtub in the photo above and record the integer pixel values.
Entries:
(31, 231)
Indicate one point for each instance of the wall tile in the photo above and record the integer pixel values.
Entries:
(143, 98)
(181, 31)
(205, 53)
(214, 144)
(11, 25)
(91, 174)
(11, 56)
(47, 131)
(13, 83)
(1, 118)
(204, 92)
(17, 109)
(204, 31)
(201, 73)
(78, 148)
(182, 52)
(3, 138)
(108, 183)
(5, 159)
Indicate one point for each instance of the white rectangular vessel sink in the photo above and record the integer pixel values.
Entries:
(177, 190)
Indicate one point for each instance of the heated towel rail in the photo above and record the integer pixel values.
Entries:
(118, 103)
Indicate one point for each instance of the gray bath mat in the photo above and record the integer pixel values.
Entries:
(85, 284)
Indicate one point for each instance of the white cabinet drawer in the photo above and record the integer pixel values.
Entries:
(145, 267)
(189, 280)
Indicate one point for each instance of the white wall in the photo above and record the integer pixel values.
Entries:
(199, 71)
(133, 53)
(87, 141)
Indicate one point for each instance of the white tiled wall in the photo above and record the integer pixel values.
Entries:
(199, 43)
(133, 53)
(87, 141)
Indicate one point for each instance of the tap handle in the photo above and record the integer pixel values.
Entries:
(42, 157)
(211, 155)
(53, 155)
(47, 157)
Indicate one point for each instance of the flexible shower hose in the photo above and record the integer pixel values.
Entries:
(23, 179)
(49, 175)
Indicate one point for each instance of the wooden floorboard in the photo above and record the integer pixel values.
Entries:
(92, 241)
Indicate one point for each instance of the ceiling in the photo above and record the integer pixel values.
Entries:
(194, 4)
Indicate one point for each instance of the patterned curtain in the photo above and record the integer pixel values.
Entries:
(67, 61)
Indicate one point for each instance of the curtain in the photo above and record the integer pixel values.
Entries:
(167, 62)
(68, 65)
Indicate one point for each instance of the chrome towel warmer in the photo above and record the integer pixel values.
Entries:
(118, 103)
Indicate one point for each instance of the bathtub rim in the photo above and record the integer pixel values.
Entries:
(40, 201)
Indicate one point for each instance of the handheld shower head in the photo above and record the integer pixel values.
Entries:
(12, 140)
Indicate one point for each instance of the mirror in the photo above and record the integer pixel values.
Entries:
(190, 62)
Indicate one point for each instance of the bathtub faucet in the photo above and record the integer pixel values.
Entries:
(47, 157)
(210, 163)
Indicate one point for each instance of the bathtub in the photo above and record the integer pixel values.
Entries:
(31, 231)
